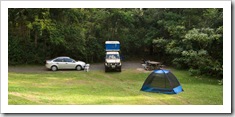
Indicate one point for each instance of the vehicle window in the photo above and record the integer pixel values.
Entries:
(112, 56)
(58, 60)
(68, 60)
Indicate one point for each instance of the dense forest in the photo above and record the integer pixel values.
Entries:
(186, 38)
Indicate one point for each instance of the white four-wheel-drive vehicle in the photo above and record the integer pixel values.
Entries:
(64, 63)
(112, 59)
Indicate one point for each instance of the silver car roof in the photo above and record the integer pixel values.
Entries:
(62, 57)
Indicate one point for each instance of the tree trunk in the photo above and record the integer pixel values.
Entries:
(36, 39)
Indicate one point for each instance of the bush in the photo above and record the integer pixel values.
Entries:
(220, 82)
(194, 72)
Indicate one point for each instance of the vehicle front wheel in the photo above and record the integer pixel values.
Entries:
(54, 68)
(106, 69)
(120, 69)
(78, 68)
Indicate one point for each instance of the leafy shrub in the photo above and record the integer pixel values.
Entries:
(220, 82)
(194, 72)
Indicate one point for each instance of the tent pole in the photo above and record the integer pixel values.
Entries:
(167, 78)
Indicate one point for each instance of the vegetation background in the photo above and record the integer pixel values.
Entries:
(187, 38)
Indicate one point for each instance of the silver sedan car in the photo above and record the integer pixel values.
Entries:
(64, 63)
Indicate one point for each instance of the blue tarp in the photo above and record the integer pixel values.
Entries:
(112, 46)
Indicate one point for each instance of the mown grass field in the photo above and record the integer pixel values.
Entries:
(100, 88)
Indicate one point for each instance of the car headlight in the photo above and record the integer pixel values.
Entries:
(106, 64)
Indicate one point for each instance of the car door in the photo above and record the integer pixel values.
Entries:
(60, 63)
(69, 63)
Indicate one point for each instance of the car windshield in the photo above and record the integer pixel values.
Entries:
(112, 56)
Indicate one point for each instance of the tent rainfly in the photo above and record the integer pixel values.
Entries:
(162, 81)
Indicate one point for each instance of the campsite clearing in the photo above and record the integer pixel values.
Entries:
(113, 88)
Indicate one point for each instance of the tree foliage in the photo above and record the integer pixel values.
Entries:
(184, 38)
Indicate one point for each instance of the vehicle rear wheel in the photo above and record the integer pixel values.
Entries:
(78, 67)
(54, 68)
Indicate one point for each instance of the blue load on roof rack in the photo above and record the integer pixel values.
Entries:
(112, 46)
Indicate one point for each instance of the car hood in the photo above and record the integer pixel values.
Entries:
(113, 60)
(81, 62)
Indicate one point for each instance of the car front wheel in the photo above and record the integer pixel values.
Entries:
(78, 68)
(54, 68)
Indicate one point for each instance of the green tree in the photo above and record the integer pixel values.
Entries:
(188, 38)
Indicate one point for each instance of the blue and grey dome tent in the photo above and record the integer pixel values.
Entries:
(162, 81)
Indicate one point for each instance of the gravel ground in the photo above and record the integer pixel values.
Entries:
(95, 66)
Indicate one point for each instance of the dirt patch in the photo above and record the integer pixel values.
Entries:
(32, 98)
(27, 69)
(143, 70)
(95, 66)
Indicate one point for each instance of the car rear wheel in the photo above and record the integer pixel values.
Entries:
(54, 68)
(78, 68)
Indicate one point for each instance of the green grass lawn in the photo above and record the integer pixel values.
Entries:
(100, 88)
